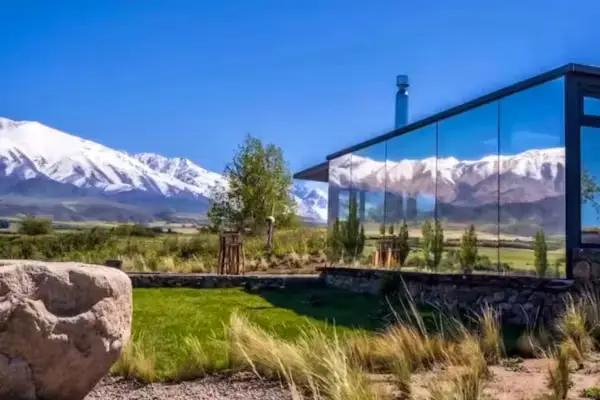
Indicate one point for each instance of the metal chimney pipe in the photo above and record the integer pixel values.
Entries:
(401, 101)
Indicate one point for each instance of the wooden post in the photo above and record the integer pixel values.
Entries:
(270, 224)
(231, 253)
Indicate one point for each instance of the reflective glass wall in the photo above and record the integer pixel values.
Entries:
(499, 168)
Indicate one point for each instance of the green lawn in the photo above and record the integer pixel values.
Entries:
(163, 317)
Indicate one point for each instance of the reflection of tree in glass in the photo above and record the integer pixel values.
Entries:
(589, 190)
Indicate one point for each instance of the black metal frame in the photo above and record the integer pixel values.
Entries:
(579, 84)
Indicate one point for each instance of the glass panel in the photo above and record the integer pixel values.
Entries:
(368, 185)
(340, 179)
(590, 185)
(467, 184)
(410, 182)
(532, 176)
(591, 106)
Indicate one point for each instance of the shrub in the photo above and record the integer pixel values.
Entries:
(592, 393)
(468, 249)
(35, 226)
(137, 230)
(416, 261)
(540, 249)
(391, 229)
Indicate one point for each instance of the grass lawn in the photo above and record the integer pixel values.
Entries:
(162, 318)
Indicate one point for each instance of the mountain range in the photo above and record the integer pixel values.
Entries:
(524, 191)
(46, 171)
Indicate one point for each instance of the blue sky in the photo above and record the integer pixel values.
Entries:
(191, 78)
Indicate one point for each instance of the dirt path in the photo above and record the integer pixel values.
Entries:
(519, 380)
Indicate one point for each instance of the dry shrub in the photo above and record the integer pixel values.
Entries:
(559, 374)
(468, 372)
(574, 325)
(529, 345)
(490, 335)
(314, 363)
(137, 362)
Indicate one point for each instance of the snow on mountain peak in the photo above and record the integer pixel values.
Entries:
(29, 149)
(184, 170)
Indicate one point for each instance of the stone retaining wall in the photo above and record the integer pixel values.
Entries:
(213, 281)
(520, 300)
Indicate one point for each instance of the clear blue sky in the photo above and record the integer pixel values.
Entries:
(190, 78)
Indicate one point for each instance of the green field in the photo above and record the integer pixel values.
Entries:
(162, 318)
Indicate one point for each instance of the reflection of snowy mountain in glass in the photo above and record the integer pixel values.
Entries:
(530, 185)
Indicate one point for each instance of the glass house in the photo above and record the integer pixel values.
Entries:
(520, 160)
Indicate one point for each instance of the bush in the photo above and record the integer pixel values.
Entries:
(4, 224)
(136, 230)
(416, 261)
(35, 226)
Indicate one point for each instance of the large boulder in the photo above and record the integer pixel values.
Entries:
(62, 326)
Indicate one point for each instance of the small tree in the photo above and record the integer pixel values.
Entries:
(540, 249)
(391, 229)
(403, 245)
(437, 244)
(334, 243)
(348, 236)
(382, 229)
(35, 226)
(258, 186)
(427, 242)
(468, 249)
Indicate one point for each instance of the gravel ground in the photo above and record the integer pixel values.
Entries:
(240, 387)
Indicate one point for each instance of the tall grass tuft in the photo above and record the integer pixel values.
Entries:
(575, 326)
(468, 372)
(490, 335)
(197, 363)
(315, 363)
(559, 374)
(137, 361)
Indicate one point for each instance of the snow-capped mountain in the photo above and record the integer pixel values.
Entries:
(311, 202)
(184, 170)
(453, 181)
(39, 163)
(31, 150)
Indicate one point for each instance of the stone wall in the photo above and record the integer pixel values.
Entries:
(213, 281)
(520, 300)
